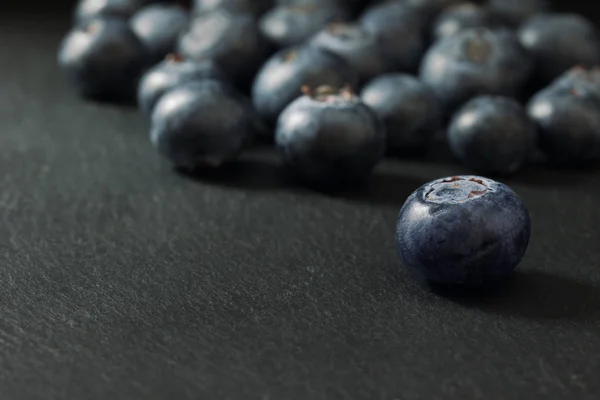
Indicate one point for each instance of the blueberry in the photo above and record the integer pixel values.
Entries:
(463, 16)
(231, 40)
(515, 12)
(87, 9)
(281, 78)
(579, 80)
(251, 7)
(473, 62)
(172, 72)
(399, 30)
(554, 50)
(201, 124)
(330, 138)
(355, 44)
(568, 121)
(293, 22)
(408, 109)
(158, 26)
(103, 58)
(430, 9)
(466, 231)
(492, 134)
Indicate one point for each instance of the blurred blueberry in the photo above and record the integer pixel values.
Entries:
(492, 135)
(281, 78)
(408, 109)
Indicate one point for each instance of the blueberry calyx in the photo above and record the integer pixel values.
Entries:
(456, 190)
(328, 94)
(477, 49)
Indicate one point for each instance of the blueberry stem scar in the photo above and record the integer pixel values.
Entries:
(463, 189)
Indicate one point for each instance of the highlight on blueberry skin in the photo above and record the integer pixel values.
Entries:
(158, 26)
(89, 9)
(408, 109)
(103, 59)
(355, 44)
(466, 231)
(463, 16)
(474, 62)
(201, 125)
(567, 115)
(329, 138)
(492, 135)
(173, 71)
(231, 40)
(281, 78)
(292, 22)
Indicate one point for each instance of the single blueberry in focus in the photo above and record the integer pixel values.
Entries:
(492, 134)
(474, 62)
(568, 121)
(464, 231)
(355, 44)
(463, 16)
(158, 26)
(251, 7)
(408, 109)
(88, 9)
(514, 12)
(231, 40)
(281, 78)
(172, 72)
(103, 58)
(293, 22)
(201, 124)
(559, 42)
(330, 138)
(400, 31)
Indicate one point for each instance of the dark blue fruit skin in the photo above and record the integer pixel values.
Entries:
(514, 12)
(568, 122)
(430, 9)
(201, 124)
(559, 42)
(281, 78)
(330, 141)
(355, 44)
(466, 231)
(103, 58)
(492, 135)
(474, 62)
(158, 26)
(251, 7)
(400, 31)
(173, 71)
(408, 109)
(231, 40)
(463, 16)
(294, 22)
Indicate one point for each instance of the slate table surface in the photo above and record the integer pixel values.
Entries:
(120, 279)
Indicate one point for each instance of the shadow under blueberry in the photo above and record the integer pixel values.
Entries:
(533, 295)
(262, 170)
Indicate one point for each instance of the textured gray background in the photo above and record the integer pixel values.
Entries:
(120, 279)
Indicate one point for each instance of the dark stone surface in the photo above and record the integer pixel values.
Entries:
(121, 279)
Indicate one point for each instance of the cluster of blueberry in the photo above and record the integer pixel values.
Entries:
(215, 74)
